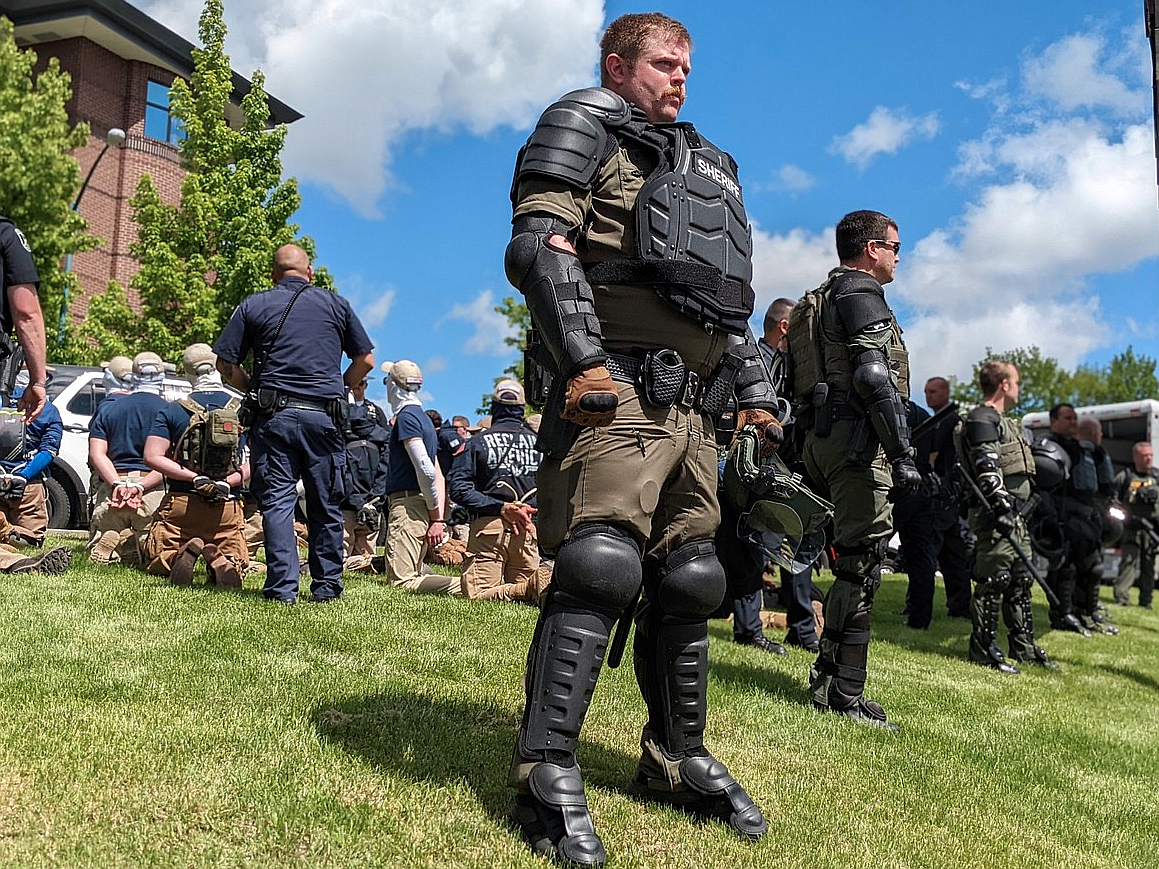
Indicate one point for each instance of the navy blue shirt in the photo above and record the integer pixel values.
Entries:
(16, 265)
(306, 358)
(450, 444)
(172, 420)
(124, 424)
(411, 422)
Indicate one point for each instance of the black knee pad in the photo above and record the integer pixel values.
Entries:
(864, 559)
(690, 584)
(600, 565)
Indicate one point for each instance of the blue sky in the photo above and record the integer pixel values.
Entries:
(1012, 141)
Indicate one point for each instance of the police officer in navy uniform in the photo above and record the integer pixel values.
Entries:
(20, 311)
(298, 396)
(645, 332)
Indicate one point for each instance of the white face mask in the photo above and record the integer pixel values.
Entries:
(399, 397)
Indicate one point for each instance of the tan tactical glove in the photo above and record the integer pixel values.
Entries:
(772, 435)
(591, 398)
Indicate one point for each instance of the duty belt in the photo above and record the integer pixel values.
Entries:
(666, 381)
(289, 402)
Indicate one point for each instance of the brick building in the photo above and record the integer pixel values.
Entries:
(122, 64)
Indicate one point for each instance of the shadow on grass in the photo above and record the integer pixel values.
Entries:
(790, 687)
(445, 741)
(1135, 676)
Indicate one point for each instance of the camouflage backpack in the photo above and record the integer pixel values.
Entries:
(210, 445)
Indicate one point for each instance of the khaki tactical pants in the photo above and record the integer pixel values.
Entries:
(29, 515)
(406, 547)
(651, 472)
(501, 565)
(182, 517)
(108, 542)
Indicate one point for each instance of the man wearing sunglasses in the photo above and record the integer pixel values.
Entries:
(851, 376)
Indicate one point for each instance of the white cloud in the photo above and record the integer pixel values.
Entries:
(788, 179)
(886, 131)
(1073, 73)
(435, 365)
(789, 265)
(364, 74)
(1072, 196)
(491, 327)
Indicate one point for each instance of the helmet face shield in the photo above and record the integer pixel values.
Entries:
(1051, 464)
(774, 504)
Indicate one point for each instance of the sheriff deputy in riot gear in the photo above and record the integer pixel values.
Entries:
(202, 514)
(1137, 488)
(850, 380)
(645, 335)
(1075, 504)
(994, 453)
(494, 480)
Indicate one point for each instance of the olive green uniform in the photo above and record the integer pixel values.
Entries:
(857, 482)
(1001, 579)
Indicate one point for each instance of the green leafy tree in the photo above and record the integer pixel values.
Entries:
(200, 258)
(1127, 377)
(38, 174)
(1044, 383)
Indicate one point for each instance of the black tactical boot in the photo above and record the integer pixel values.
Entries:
(984, 607)
(563, 664)
(554, 819)
(671, 662)
(837, 680)
(1019, 616)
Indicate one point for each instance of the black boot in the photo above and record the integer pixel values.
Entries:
(1019, 616)
(671, 662)
(563, 665)
(984, 607)
(838, 678)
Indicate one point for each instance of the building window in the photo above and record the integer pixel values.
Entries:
(159, 124)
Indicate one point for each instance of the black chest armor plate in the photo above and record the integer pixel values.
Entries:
(693, 241)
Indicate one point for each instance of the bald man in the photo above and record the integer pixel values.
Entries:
(297, 333)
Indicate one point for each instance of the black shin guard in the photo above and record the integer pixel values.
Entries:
(984, 609)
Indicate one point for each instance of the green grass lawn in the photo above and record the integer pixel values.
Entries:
(147, 725)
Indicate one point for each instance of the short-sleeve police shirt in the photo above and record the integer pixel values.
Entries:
(306, 358)
(16, 261)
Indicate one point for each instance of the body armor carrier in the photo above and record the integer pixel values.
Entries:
(693, 241)
(694, 245)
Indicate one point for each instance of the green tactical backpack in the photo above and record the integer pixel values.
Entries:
(804, 338)
(211, 443)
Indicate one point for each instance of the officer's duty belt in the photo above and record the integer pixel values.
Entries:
(288, 402)
(665, 380)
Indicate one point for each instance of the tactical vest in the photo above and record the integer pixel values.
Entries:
(1015, 459)
(820, 352)
(1014, 455)
(1084, 474)
(693, 240)
(210, 444)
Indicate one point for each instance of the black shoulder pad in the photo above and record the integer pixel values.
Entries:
(859, 300)
(570, 139)
(983, 426)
